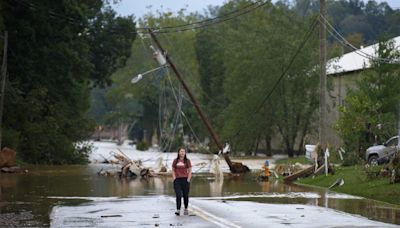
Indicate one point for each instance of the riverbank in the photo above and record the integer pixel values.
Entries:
(357, 183)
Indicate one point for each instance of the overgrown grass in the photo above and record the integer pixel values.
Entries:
(357, 183)
(300, 159)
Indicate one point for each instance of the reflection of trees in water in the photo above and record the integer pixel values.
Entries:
(140, 186)
(130, 186)
(367, 208)
(216, 187)
(159, 185)
(6, 182)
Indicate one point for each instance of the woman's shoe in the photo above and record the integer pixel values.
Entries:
(177, 212)
(186, 212)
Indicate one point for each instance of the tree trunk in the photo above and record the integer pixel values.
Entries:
(268, 140)
(257, 144)
(149, 136)
(290, 152)
(301, 146)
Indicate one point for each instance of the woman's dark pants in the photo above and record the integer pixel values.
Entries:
(181, 187)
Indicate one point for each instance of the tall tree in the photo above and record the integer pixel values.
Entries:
(57, 50)
(255, 58)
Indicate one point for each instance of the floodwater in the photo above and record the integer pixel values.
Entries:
(27, 200)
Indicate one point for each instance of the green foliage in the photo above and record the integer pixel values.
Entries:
(300, 159)
(209, 48)
(142, 145)
(257, 52)
(371, 108)
(11, 138)
(54, 58)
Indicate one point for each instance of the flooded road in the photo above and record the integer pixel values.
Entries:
(27, 200)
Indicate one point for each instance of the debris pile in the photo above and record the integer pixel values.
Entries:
(7, 161)
(391, 170)
(320, 165)
(132, 168)
(289, 169)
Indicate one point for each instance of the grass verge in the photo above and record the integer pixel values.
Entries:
(357, 183)
(299, 159)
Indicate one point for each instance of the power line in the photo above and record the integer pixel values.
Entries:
(342, 40)
(345, 42)
(167, 29)
(213, 23)
(206, 20)
(180, 109)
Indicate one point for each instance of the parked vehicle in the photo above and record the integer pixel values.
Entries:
(382, 154)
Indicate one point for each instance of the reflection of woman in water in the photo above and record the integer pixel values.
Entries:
(182, 173)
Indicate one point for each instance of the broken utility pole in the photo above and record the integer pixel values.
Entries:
(235, 167)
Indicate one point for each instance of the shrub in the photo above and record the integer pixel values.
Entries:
(142, 145)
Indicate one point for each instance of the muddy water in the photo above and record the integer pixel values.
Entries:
(26, 200)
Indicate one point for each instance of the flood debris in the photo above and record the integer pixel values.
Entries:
(390, 170)
(372, 172)
(320, 165)
(338, 182)
(13, 169)
(7, 161)
(7, 157)
(289, 169)
(128, 167)
(110, 216)
(302, 173)
(131, 168)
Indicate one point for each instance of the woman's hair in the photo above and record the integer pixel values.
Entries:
(185, 159)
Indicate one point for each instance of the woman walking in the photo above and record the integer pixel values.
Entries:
(182, 173)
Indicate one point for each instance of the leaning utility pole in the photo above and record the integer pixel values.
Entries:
(3, 82)
(322, 83)
(235, 167)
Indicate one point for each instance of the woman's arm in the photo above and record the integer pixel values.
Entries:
(173, 173)
(173, 170)
(189, 174)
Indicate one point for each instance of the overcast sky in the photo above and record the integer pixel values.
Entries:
(140, 7)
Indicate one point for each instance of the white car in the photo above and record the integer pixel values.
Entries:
(382, 153)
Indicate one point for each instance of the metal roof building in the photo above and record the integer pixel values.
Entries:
(356, 60)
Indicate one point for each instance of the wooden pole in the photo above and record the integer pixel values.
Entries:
(3, 82)
(233, 167)
(322, 84)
